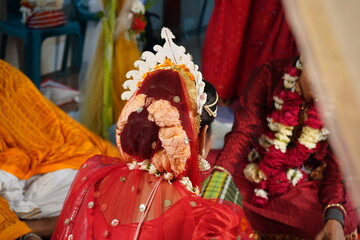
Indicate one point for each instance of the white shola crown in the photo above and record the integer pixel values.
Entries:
(149, 61)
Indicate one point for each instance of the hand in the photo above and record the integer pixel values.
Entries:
(34, 238)
(42, 227)
(332, 230)
(30, 236)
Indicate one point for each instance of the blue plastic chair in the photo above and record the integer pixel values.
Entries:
(33, 39)
(81, 15)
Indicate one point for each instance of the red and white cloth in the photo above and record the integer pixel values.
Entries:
(42, 14)
(46, 19)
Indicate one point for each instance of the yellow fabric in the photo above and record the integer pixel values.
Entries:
(90, 111)
(35, 135)
(10, 226)
(125, 54)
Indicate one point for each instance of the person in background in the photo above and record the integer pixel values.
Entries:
(152, 191)
(240, 36)
(41, 148)
(280, 159)
(110, 51)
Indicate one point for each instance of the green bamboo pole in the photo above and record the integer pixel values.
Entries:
(108, 31)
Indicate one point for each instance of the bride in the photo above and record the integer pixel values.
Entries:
(163, 135)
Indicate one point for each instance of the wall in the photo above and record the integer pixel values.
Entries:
(189, 15)
(51, 53)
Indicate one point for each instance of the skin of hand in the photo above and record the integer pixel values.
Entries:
(42, 227)
(33, 238)
(332, 230)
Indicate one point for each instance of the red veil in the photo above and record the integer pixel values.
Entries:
(152, 191)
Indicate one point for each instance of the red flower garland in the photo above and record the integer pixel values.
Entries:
(280, 164)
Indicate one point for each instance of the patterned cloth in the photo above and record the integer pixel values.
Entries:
(46, 19)
(220, 185)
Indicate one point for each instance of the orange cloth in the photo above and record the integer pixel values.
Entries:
(35, 135)
(10, 226)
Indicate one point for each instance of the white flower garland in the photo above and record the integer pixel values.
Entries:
(309, 137)
(261, 193)
(147, 166)
(294, 176)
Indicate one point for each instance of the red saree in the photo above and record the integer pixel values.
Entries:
(159, 133)
(102, 204)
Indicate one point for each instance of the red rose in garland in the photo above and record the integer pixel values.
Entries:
(278, 184)
(138, 24)
(138, 21)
